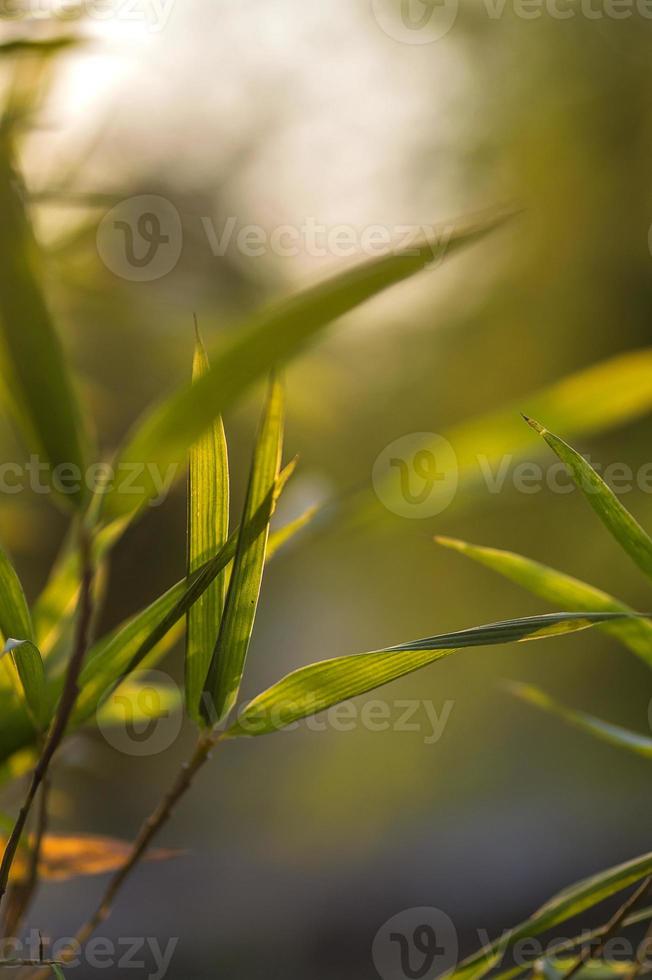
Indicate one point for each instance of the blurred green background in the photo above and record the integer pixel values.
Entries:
(300, 846)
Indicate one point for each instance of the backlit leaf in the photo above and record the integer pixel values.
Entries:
(227, 665)
(208, 530)
(315, 688)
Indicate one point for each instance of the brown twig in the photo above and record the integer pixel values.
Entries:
(612, 926)
(149, 830)
(21, 894)
(642, 953)
(64, 710)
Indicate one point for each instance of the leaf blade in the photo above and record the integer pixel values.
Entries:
(613, 734)
(270, 339)
(616, 518)
(560, 589)
(319, 686)
(228, 660)
(31, 349)
(208, 531)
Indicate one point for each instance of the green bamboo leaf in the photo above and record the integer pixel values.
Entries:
(208, 531)
(15, 620)
(270, 339)
(58, 972)
(625, 529)
(278, 539)
(143, 638)
(561, 590)
(32, 355)
(315, 688)
(614, 734)
(28, 662)
(227, 665)
(565, 905)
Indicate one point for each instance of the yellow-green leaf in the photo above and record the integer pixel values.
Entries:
(29, 667)
(616, 735)
(227, 665)
(208, 530)
(31, 353)
(561, 590)
(315, 688)
(15, 620)
(616, 518)
(271, 338)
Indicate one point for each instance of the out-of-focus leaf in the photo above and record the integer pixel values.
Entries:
(270, 339)
(278, 539)
(556, 969)
(565, 905)
(147, 702)
(43, 49)
(595, 399)
(29, 666)
(55, 607)
(208, 530)
(625, 529)
(32, 355)
(15, 620)
(614, 734)
(17, 765)
(63, 858)
(227, 665)
(57, 971)
(561, 590)
(315, 688)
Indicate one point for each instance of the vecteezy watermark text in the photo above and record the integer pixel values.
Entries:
(145, 953)
(422, 943)
(417, 475)
(154, 15)
(131, 479)
(420, 22)
(141, 238)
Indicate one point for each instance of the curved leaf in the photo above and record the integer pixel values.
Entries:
(561, 590)
(614, 734)
(616, 518)
(315, 688)
(270, 339)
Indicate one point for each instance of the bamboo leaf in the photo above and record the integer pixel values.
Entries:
(139, 641)
(31, 351)
(561, 590)
(315, 688)
(208, 530)
(270, 339)
(29, 666)
(227, 665)
(614, 734)
(625, 529)
(15, 620)
(565, 905)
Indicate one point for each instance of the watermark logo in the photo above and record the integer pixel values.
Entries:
(417, 475)
(416, 944)
(141, 717)
(141, 238)
(415, 21)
